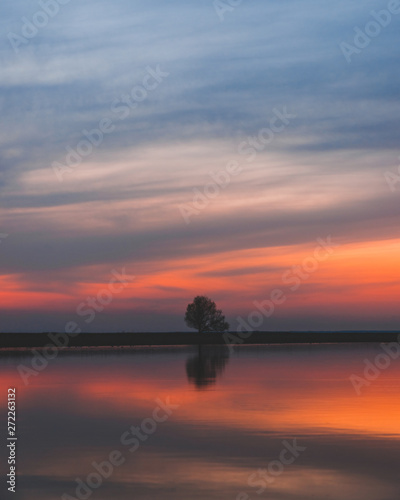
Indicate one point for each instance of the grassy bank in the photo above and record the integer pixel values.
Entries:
(32, 340)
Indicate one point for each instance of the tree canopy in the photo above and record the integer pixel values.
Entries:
(203, 315)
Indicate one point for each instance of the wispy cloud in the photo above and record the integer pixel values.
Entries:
(324, 175)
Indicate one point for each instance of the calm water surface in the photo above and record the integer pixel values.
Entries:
(282, 422)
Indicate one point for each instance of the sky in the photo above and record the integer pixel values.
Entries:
(249, 153)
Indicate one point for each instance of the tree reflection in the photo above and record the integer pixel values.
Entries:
(203, 369)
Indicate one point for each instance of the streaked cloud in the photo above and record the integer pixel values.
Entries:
(324, 174)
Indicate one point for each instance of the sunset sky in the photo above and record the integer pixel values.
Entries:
(261, 98)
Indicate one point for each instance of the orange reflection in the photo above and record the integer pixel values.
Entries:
(259, 401)
(253, 396)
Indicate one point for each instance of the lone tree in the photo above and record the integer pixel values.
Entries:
(203, 315)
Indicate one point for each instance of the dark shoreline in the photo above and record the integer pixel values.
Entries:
(40, 340)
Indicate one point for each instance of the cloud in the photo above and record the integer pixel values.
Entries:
(322, 175)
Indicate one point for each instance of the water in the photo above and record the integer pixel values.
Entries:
(281, 422)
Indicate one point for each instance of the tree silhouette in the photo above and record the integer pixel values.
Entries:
(203, 315)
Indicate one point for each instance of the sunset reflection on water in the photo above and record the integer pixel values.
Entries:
(234, 413)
